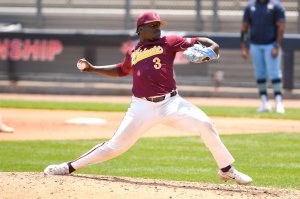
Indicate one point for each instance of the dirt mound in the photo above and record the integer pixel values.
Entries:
(38, 185)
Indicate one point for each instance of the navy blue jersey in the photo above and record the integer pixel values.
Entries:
(262, 19)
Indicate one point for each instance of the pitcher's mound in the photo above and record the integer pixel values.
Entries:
(38, 185)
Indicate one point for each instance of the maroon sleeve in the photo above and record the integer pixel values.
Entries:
(124, 68)
(180, 43)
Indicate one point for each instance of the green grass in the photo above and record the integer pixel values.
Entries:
(222, 111)
(60, 105)
(272, 160)
(250, 112)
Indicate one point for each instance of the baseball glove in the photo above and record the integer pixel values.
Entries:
(199, 53)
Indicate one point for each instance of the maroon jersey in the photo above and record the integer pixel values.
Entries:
(151, 65)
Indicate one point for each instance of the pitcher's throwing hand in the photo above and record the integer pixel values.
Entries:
(84, 65)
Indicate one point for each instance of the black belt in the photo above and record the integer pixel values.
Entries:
(161, 98)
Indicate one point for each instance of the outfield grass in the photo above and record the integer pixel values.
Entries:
(222, 111)
(272, 160)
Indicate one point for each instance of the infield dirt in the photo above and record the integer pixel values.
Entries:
(37, 185)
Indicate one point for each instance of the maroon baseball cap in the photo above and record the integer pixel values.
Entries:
(149, 17)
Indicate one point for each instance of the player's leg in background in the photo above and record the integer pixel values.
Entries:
(4, 128)
(260, 71)
(275, 75)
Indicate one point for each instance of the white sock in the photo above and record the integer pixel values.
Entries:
(264, 99)
(278, 99)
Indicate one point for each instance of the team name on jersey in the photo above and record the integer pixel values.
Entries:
(139, 54)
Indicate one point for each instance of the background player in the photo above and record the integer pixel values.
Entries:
(265, 19)
(4, 128)
(155, 100)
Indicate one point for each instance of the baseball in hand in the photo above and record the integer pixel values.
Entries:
(83, 65)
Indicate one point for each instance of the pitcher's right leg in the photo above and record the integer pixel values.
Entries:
(127, 134)
(137, 120)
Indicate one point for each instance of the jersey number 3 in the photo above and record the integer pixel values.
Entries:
(157, 64)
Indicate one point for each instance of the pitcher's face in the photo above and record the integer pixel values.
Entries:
(150, 31)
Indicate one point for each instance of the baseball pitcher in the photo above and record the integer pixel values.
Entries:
(155, 98)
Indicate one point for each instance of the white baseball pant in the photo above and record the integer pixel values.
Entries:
(142, 115)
